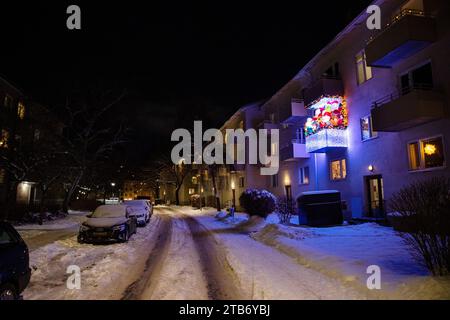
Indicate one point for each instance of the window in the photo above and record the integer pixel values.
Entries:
(241, 182)
(37, 135)
(6, 237)
(21, 111)
(274, 181)
(191, 191)
(8, 101)
(426, 154)
(367, 131)
(303, 175)
(4, 138)
(2, 176)
(419, 78)
(272, 118)
(363, 72)
(338, 169)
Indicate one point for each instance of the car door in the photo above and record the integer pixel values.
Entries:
(13, 254)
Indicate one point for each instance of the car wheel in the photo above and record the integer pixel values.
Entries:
(125, 236)
(8, 292)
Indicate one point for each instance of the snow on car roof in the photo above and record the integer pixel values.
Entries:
(136, 202)
(110, 211)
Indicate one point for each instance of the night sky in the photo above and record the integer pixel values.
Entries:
(178, 61)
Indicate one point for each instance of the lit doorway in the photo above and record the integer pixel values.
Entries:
(375, 196)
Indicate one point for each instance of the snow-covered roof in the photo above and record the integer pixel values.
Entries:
(110, 211)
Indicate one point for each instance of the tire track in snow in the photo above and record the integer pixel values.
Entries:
(153, 264)
(221, 280)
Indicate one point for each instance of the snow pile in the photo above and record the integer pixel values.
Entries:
(73, 219)
(106, 270)
(346, 252)
(253, 224)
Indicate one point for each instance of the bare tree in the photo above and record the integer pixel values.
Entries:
(87, 142)
(176, 173)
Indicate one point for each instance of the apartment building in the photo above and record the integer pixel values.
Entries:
(26, 129)
(234, 179)
(369, 114)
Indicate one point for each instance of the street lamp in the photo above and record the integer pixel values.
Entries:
(287, 186)
(233, 190)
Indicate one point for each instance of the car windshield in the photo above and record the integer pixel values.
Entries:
(113, 211)
(5, 237)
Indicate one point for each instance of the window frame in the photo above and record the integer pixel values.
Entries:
(422, 167)
(371, 131)
(341, 171)
(365, 67)
(301, 176)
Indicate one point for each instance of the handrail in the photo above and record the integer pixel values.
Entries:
(399, 93)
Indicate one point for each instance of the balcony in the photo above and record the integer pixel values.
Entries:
(326, 86)
(327, 140)
(294, 151)
(294, 112)
(407, 109)
(409, 32)
(268, 125)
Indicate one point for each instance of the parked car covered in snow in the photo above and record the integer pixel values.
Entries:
(108, 223)
(142, 209)
(14, 263)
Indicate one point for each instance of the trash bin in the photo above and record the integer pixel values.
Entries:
(320, 208)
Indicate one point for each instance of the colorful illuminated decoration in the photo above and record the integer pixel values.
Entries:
(329, 113)
(326, 139)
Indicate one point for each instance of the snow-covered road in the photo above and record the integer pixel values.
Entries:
(182, 254)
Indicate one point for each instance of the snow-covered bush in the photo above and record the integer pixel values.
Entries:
(424, 214)
(285, 210)
(258, 202)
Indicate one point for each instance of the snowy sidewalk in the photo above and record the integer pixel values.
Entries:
(343, 254)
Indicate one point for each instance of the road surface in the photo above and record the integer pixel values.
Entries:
(177, 256)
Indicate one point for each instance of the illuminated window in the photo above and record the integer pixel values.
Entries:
(426, 154)
(338, 169)
(21, 111)
(363, 72)
(303, 175)
(367, 131)
(4, 138)
(191, 191)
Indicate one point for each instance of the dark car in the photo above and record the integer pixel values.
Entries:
(109, 223)
(14, 263)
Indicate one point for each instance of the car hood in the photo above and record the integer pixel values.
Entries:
(105, 222)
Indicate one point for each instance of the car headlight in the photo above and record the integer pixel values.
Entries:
(84, 228)
(119, 228)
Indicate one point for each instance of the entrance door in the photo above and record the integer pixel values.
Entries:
(375, 196)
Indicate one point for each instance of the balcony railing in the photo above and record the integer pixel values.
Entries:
(409, 32)
(407, 108)
(396, 19)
